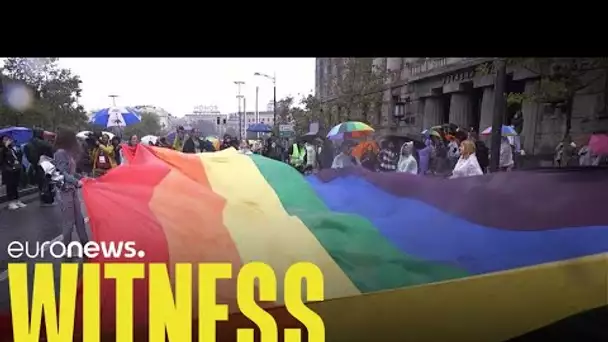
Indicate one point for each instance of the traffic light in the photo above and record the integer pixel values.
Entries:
(218, 120)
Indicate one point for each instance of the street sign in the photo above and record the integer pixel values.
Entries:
(286, 130)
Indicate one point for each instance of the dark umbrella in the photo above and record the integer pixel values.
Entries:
(310, 137)
(401, 139)
(259, 128)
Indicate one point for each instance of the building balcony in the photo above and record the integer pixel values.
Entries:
(429, 67)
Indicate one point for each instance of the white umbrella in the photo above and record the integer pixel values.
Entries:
(83, 134)
(149, 139)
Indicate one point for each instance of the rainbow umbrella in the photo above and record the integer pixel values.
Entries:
(215, 141)
(350, 129)
(429, 132)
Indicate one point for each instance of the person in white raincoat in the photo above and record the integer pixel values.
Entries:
(467, 164)
(407, 163)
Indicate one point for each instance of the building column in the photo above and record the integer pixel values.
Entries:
(461, 109)
(529, 112)
(487, 108)
(433, 112)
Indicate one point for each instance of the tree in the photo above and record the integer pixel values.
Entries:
(231, 132)
(149, 125)
(560, 80)
(312, 112)
(284, 110)
(358, 86)
(54, 94)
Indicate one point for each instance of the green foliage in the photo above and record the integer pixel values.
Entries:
(55, 92)
(560, 79)
(358, 86)
(310, 110)
(516, 98)
(284, 110)
(149, 125)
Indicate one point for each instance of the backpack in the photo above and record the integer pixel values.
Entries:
(103, 161)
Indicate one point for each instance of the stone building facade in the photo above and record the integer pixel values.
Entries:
(433, 91)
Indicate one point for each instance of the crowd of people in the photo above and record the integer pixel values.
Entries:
(454, 156)
(453, 153)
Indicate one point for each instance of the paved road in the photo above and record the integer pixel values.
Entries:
(33, 223)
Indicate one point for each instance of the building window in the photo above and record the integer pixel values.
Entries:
(410, 119)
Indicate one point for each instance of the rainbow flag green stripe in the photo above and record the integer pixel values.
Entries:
(368, 258)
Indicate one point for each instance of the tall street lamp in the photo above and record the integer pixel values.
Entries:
(238, 97)
(113, 97)
(273, 78)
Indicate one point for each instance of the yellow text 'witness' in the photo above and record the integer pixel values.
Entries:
(170, 308)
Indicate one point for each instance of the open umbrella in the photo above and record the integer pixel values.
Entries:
(259, 128)
(149, 139)
(429, 132)
(507, 131)
(598, 144)
(20, 135)
(350, 129)
(84, 134)
(115, 116)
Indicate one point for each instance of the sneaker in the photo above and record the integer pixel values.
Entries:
(13, 206)
(21, 204)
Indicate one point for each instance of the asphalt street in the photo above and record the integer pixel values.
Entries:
(33, 224)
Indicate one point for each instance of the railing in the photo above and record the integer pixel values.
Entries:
(429, 64)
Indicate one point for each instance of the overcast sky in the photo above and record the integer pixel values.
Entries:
(180, 84)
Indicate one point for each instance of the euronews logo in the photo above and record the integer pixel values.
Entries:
(74, 249)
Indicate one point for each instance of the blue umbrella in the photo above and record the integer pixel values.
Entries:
(171, 137)
(20, 135)
(507, 131)
(259, 128)
(115, 116)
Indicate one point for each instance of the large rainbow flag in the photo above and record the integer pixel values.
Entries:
(511, 256)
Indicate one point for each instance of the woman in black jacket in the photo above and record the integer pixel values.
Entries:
(10, 165)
